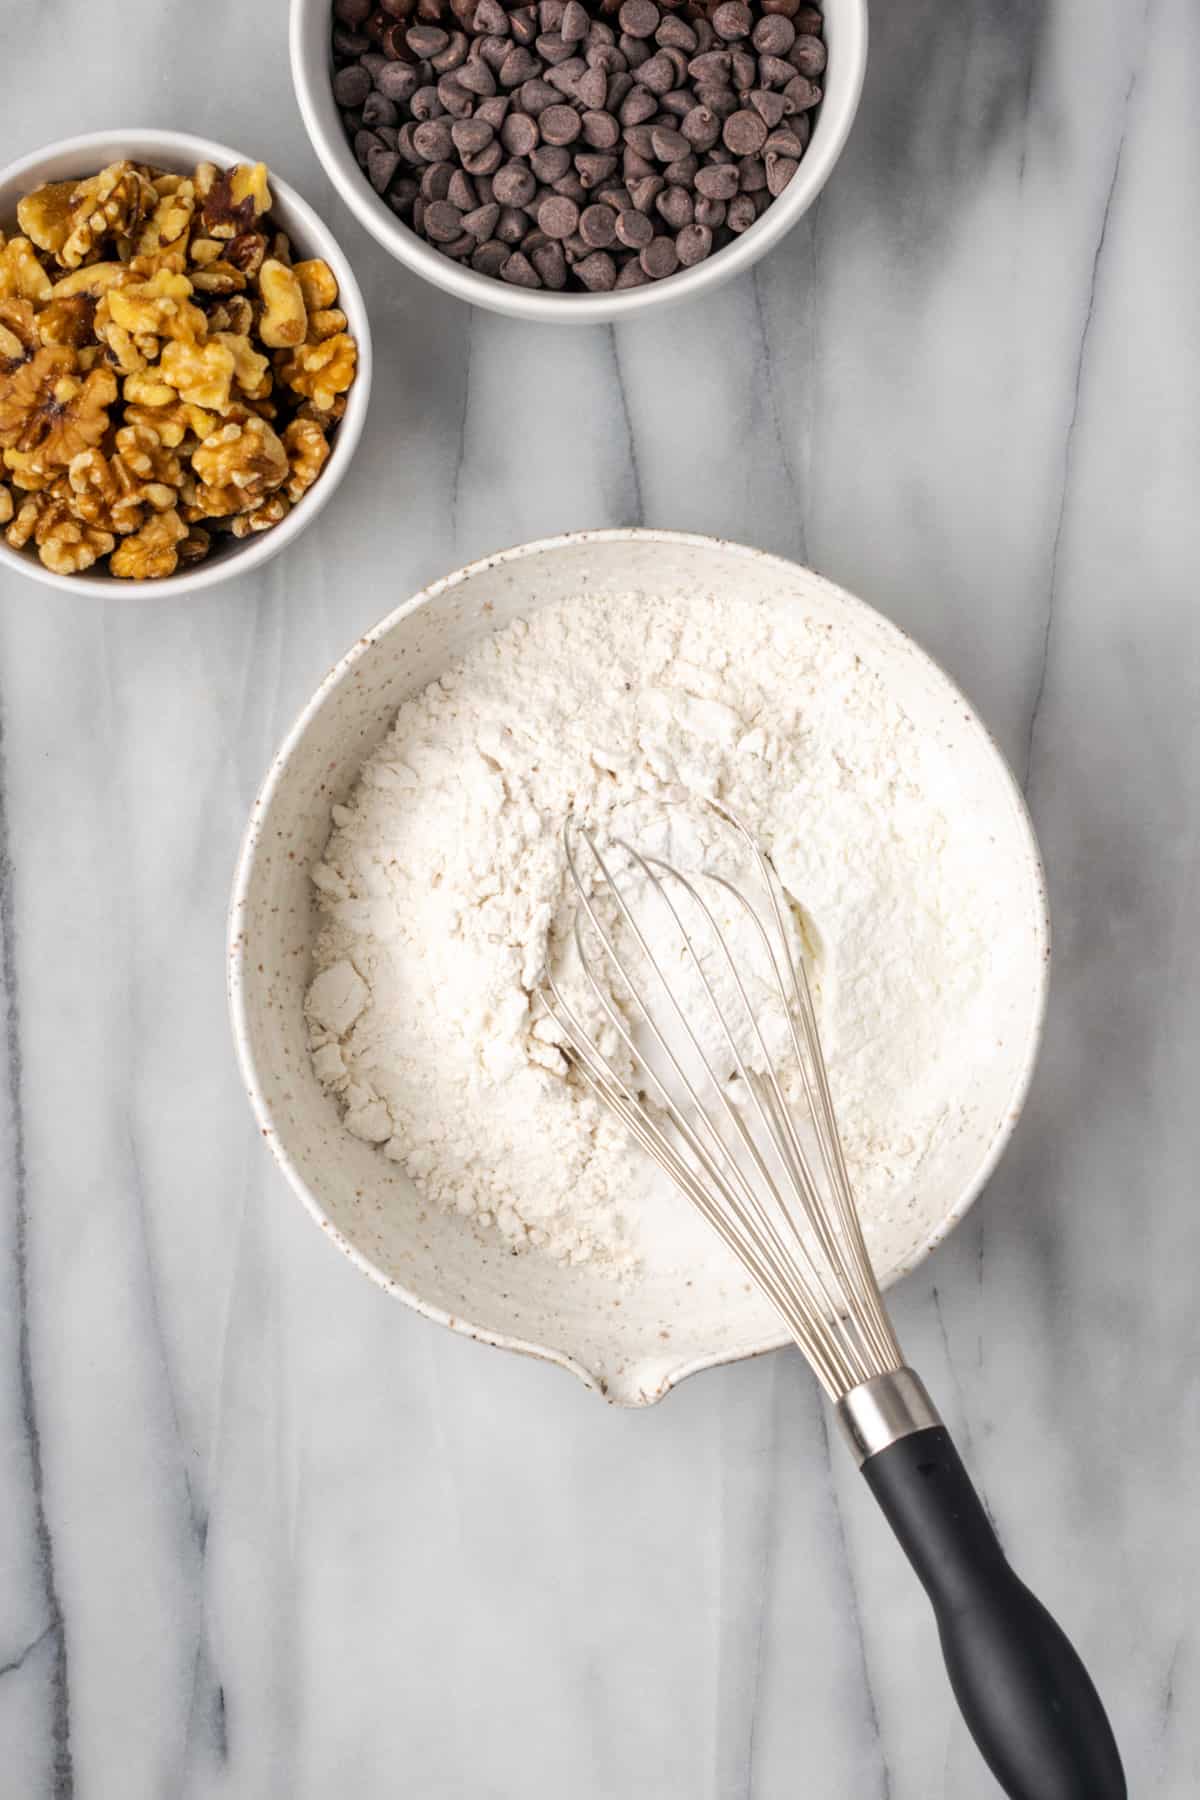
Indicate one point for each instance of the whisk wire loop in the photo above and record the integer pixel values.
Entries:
(794, 1228)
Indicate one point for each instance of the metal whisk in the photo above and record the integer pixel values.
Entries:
(695, 1068)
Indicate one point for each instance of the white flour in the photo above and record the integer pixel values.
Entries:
(444, 892)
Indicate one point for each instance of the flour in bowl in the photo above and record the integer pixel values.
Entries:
(444, 896)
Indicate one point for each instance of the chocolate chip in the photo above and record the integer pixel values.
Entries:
(550, 162)
(519, 134)
(476, 78)
(719, 100)
(720, 182)
(490, 18)
(710, 213)
(456, 100)
(773, 35)
(591, 90)
(490, 258)
(426, 40)
(559, 124)
(658, 74)
(570, 185)
(668, 146)
(351, 86)
(638, 106)
(435, 181)
(732, 20)
(551, 265)
(780, 170)
(567, 76)
(553, 48)
(483, 221)
(645, 192)
(597, 226)
(432, 141)
(676, 34)
(520, 272)
(453, 56)
(558, 216)
(493, 50)
(493, 112)
(800, 94)
(807, 55)
(443, 222)
(425, 104)
(634, 229)
(678, 62)
(518, 66)
(639, 18)
(485, 161)
(379, 110)
(701, 128)
(381, 166)
(397, 82)
(512, 224)
(533, 97)
(744, 133)
(573, 26)
(660, 258)
(470, 135)
(743, 70)
(712, 65)
(600, 130)
(682, 172)
(598, 272)
(594, 166)
(768, 106)
(741, 213)
(693, 244)
(515, 184)
(675, 206)
(632, 275)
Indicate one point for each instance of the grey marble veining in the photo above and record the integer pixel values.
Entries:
(265, 1533)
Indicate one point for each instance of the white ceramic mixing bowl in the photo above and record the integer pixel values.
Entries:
(675, 1320)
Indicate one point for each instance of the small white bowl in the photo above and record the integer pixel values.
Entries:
(178, 153)
(676, 1319)
(846, 36)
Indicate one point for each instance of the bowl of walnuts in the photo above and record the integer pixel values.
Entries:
(185, 363)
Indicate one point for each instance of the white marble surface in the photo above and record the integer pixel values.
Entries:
(265, 1533)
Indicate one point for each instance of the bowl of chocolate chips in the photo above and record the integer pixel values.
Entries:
(575, 160)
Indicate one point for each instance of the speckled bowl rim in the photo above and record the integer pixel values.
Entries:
(1039, 925)
(323, 123)
(101, 147)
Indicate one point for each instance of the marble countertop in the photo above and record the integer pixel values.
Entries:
(265, 1532)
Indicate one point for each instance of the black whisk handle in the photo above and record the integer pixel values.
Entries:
(1025, 1695)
